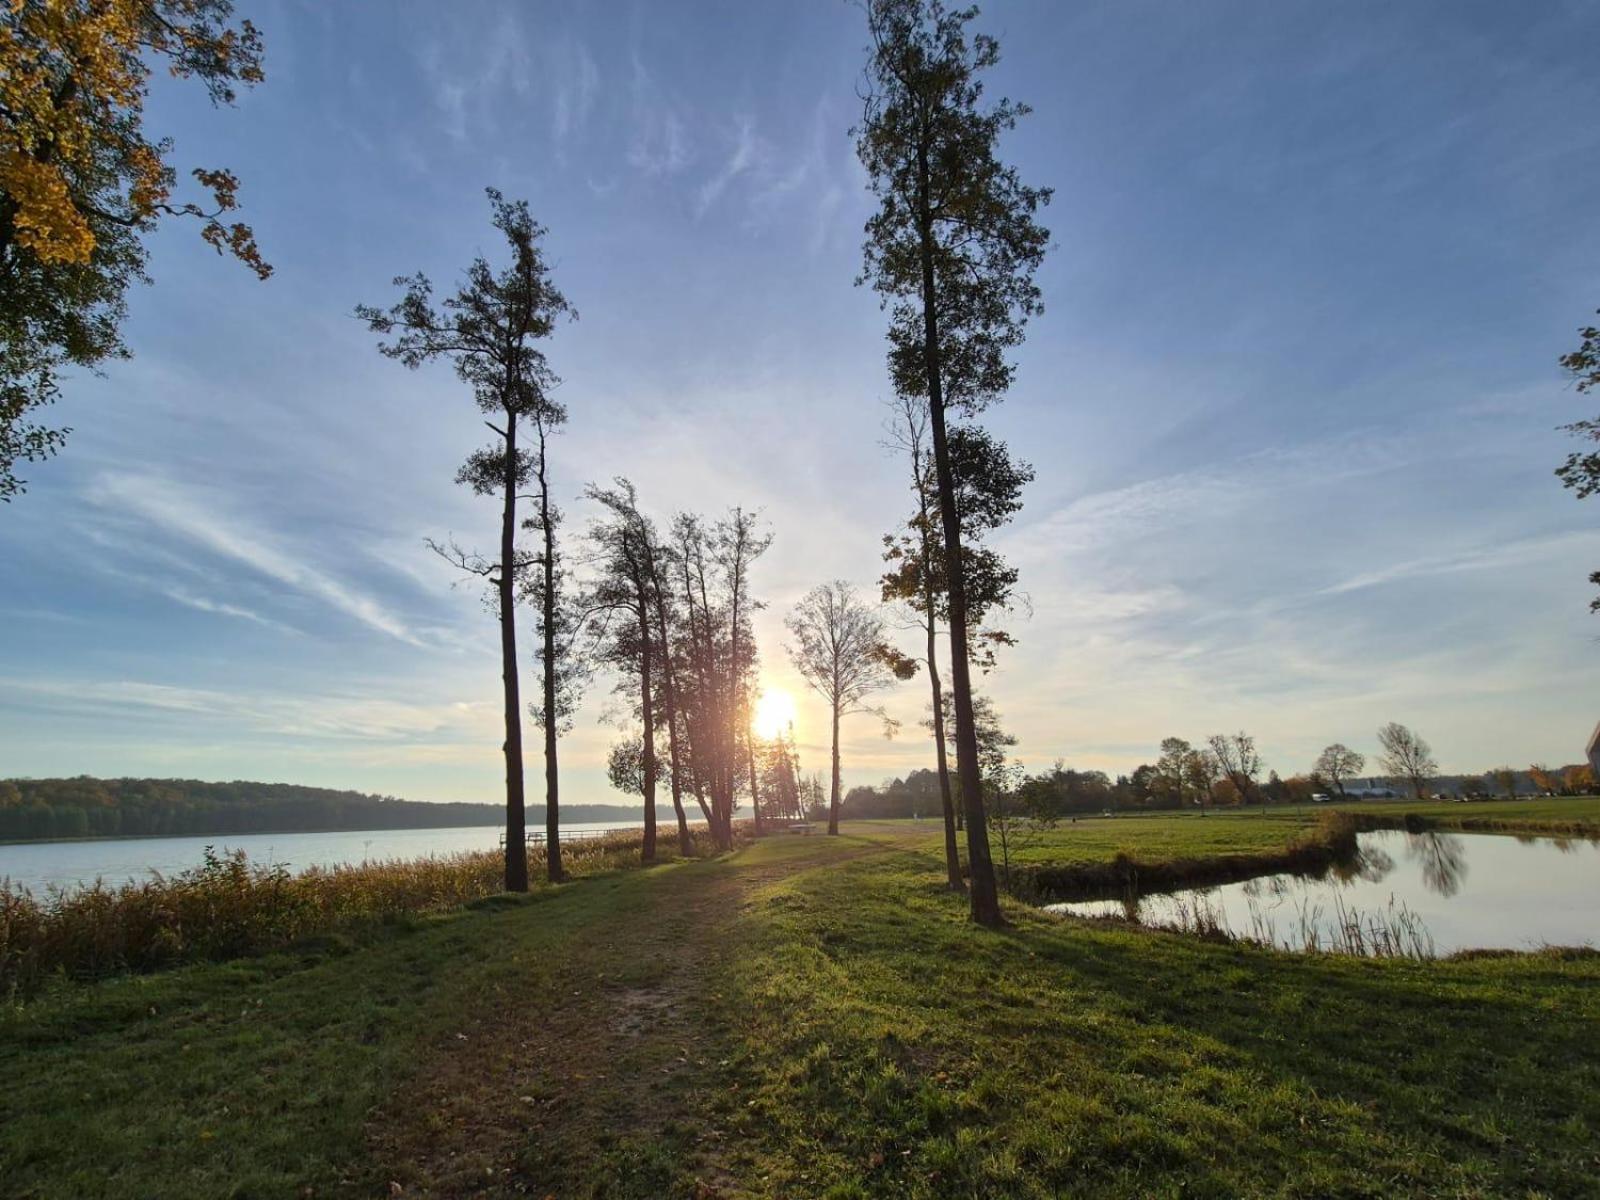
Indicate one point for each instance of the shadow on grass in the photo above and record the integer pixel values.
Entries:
(903, 1051)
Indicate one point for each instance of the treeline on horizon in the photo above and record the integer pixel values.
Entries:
(1065, 791)
(83, 806)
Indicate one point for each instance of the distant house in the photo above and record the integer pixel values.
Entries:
(1371, 789)
(1593, 751)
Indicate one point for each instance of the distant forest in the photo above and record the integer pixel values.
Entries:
(44, 809)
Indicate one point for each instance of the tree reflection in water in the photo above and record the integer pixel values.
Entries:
(1443, 859)
(1370, 864)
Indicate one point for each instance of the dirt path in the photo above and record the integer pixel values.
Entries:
(606, 1071)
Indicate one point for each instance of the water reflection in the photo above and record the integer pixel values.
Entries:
(1398, 893)
(1443, 859)
(1369, 863)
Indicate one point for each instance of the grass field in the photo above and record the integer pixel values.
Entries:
(1166, 834)
(814, 1016)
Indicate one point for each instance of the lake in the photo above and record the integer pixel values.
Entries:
(1415, 894)
(40, 865)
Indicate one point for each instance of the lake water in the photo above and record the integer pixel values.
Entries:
(40, 865)
(1418, 894)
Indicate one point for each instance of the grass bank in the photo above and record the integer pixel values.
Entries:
(1099, 858)
(808, 1017)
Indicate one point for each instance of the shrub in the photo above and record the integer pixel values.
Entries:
(229, 906)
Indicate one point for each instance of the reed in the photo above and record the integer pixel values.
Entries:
(230, 906)
(1390, 932)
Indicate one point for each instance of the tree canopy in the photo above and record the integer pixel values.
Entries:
(1581, 471)
(82, 182)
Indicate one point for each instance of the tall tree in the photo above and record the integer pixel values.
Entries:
(559, 622)
(1581, 472)
(952, 249)
(716, 658)
(489, 330)
(626, 554)
(988, 492)
(1337, 763)
(1201, 771)
(1406, 757)
(1239, 761)
(81, 183)
(1173, 775)
(695, 671)
(739, 543)
(701, 690)
(912, 580)
(665, 627)
(839, 651)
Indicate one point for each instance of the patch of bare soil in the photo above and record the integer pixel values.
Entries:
(604, 1057)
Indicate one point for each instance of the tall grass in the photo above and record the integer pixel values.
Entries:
(229, 907)
(1393, 931)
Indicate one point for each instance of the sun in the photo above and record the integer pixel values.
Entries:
(774, 713)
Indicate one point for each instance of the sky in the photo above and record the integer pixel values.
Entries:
(1291, 405)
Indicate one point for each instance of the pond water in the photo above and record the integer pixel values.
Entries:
(41, 865)
(1416, 894)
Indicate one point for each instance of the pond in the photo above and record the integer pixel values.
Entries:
(41, 865)
(1412, 894)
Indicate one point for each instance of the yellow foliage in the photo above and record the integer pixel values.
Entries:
(47, 222)
(73, 80)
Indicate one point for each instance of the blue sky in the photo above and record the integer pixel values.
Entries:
(1292, 402)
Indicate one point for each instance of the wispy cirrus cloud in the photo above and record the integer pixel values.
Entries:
(472, 68)
(196, 519)
(748, 149)
(356, 717)
(575, 85)
(1521, 552)
(222, 608)
(659, 143)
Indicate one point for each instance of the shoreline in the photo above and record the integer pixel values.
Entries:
(1331, 841)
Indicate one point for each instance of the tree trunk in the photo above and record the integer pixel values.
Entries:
(685, 842)
(984, 892)
(516, 811)
(705, 811)
(712, 723)
(670, 694)
(833, 796)
(737, 709)
(552, 787)
(952, 854)
(755, 794)
(647, 716)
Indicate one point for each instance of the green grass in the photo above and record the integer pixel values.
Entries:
(813, 1016)
(902, 1052)
(1155, 836)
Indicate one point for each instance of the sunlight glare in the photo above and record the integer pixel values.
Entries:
(774, 713)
